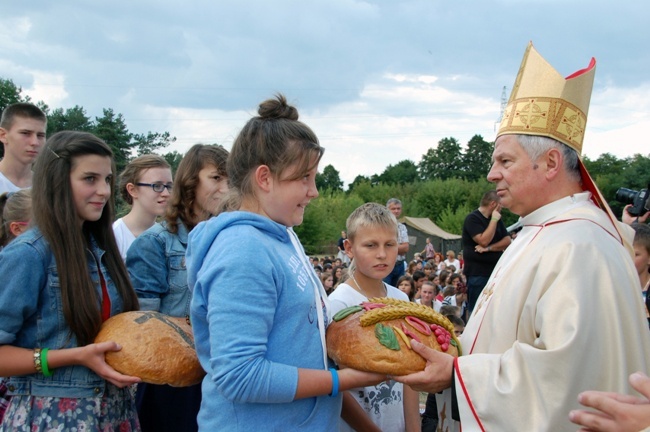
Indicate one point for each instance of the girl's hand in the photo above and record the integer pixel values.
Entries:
(93, 357)
(352, 378)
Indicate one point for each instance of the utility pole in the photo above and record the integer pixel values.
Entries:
(504, 103)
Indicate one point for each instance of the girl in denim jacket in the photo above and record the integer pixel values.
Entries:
(61, 280)
(156, 263)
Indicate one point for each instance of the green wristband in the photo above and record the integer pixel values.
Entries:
(46, 369)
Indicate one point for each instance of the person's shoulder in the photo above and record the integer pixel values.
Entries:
(119, 225)
(393, 292)
(6, 185)
(473, 214)
(341, 292)
(31, 242)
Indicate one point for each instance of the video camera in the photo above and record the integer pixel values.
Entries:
(640, 200)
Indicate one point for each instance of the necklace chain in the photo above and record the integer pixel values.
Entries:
(363, 292)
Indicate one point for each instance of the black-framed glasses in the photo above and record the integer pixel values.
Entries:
(157, 187)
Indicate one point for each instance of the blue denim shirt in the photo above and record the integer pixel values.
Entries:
(156, 263)
(31, 314)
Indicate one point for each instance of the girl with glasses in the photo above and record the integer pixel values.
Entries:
(156, 263)
(145, 184)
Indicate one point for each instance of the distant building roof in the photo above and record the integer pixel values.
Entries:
(426, 225)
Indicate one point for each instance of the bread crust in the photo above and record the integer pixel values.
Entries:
(157, 348)
(352, 345)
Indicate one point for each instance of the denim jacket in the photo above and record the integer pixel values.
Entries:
(31, 314)
(156, 264)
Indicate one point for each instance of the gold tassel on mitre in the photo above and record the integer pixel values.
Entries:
(544, 103)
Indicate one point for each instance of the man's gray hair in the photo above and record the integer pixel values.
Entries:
(535, 146)
(393, 201)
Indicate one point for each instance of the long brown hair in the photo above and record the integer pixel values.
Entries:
(181, 204)
(53, 204)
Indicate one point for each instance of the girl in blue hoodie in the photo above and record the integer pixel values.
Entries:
(260, 328)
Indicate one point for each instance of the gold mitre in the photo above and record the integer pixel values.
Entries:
(544, 103)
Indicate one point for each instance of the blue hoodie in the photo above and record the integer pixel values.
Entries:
(255, 323)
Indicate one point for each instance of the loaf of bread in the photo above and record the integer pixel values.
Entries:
(157, 348)
(376, 336)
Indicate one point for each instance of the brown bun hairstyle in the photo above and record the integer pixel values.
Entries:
(376, 336)
(156, 348)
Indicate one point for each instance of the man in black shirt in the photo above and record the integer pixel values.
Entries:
(484, 239)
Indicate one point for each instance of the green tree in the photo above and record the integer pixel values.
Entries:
(73, 119)
(403, 172)
(605, 164)
(442, 162)
(151, 142)
(324, 219)
(329, 180)
(10, 93)
(476, 161)
(358, 180)
(112, 129)
(173, 158)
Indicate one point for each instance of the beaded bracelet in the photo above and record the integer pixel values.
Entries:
(44, 366)
(335, 382)
(37, 360)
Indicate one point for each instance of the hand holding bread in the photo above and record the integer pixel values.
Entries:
(157, 348)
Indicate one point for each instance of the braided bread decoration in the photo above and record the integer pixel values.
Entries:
(400, 309)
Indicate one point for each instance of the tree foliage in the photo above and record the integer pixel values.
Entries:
(72, 119)
(403, 172)
(329, 181)
(445, 186)
(173, 158)
(477, 159)
(111, 127)
(443, 162)
(358, 180)
(10, 93)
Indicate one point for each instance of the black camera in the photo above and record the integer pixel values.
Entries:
(640, 200)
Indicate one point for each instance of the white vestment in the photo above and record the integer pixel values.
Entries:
(560, 314)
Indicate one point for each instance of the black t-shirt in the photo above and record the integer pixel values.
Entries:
(480, 264)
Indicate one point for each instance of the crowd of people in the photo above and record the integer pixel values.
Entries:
(528, 312)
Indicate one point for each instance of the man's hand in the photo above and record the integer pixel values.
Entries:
(629, 219)
(436, 375)
(615, 412)
(496, 213)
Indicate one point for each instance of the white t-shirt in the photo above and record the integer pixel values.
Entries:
(455, 263)
(437, 304)
(6, 185)
(123, 236)
(384, 402)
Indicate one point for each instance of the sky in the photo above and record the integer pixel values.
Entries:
(378, 81)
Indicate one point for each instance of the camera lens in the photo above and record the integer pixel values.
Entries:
(626, 196)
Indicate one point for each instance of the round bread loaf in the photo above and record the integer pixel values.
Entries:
(156, 348)
(361, 339)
